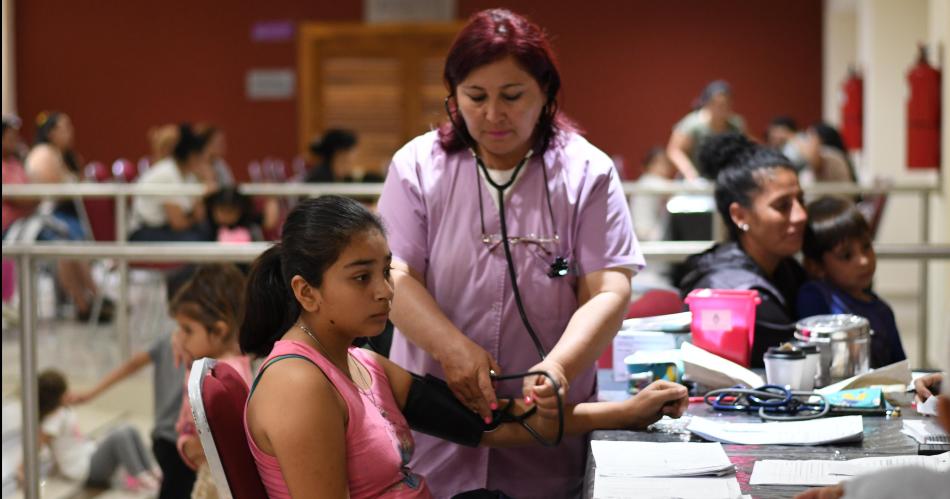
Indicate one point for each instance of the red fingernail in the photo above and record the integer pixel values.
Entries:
(527, 400)
(494, 406)
(487, 420)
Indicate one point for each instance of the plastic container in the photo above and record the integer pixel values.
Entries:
(785, 366)
(724, 322)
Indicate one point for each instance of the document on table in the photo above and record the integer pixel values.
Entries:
(812, 432)
(929, 407)
(817, 472)
(659, 459)
(714, 371)
(609, 487)
(896, 373)
(925, 431)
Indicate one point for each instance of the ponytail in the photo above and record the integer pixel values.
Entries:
(270, 309)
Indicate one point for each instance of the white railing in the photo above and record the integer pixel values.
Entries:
(124, 252)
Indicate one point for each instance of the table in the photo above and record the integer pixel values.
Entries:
(882, 437)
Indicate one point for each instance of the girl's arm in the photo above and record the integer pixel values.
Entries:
(307, 434)
(659, 399)
(138, 361)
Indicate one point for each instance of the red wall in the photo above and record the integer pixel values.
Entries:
(630, 68)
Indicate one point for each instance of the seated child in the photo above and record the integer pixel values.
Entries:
(208, 309)
(80, 458)
(167, 381)
(232, 218)
(840, 259)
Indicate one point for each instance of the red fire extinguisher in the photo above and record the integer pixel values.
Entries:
(852, 110)
(923, 114)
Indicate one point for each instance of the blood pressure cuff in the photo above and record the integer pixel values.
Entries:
(432, 408)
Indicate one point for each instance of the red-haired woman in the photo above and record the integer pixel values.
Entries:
(569, 247)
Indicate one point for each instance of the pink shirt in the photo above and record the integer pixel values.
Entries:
(13, 173)
(186, 422)
(430, 206)
(379, 444)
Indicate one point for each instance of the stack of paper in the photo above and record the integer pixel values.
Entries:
(897, 373)
(653, 469)
(658, 459)
(816, 472)
(925, 431)
(811, 432)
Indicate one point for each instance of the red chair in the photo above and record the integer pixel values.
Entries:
(124, 171)
(218, 395)
(95, 171)
(653, 302)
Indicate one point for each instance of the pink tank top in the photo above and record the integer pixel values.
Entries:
(379, 443)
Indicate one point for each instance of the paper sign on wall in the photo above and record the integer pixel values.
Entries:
(270, 84)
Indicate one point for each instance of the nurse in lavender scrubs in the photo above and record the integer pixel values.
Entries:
(570, 236)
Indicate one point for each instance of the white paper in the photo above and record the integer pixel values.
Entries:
(659, 459)
(606, 487)
(925, 431)
(896, 373)
(714, 371)
(928, 408)
(819, 472)
(811, 432)
(790, 472)
(864, 465)
(679, 322)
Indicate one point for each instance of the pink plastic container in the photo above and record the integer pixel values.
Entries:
(9, 279)
(724, 321)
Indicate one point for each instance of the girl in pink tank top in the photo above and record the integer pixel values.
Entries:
(325, 419)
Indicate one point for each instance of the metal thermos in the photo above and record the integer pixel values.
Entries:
(844, 342)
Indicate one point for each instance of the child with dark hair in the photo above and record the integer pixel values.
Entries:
(80, 458)
(209, 309)
(840, 259)
(168, 378)
(232, 217)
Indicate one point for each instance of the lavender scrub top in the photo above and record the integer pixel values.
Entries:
(430, 208)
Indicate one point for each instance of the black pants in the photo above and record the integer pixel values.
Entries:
(178, 479)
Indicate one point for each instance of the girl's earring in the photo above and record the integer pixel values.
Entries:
(744, 227)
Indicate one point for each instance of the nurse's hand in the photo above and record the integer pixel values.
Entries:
(660, 398)
(538, 390)
(466, 367)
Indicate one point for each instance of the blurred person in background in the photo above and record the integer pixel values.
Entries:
(13, 173)
(780, 131)
(217, 149)
(712, 114)
(334, 156)
(53, 161)
(179, 218)
(162, 140)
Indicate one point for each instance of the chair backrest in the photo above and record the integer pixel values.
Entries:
(218, 395)
(124, 171)
(97, 172)
(656, 302)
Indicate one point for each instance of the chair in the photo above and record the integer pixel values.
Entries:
(124, 171)
(218, 395)
(95, 171)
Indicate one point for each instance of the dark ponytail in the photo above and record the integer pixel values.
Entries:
(735, 163)
(315, 233)
(270, 308)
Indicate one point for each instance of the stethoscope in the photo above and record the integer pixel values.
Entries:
(771, 402)
(559, 268)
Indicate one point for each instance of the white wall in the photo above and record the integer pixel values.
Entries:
(882, 36)
(840, 50)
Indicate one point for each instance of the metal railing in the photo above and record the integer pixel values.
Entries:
(27, 254)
